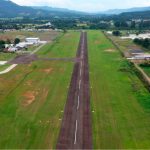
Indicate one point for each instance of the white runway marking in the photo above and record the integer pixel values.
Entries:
(75, 138)
(80, 72)
(79, 84)
(78, 103)
(8, 69)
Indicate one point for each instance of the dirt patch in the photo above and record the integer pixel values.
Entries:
(5, 37)
(133, 47)
(97, 42)
(24, 59)
(29, 83)
(29, 97)
(110, 50)
(48, 70)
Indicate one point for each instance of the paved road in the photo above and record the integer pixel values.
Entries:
(76, 130)
(8, 69)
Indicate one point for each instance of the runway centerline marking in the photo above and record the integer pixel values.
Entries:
(75, 135)
(78, 103)
(80, 72)
(79, 84)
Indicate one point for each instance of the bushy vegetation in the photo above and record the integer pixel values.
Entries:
(2, 43)
(16, 41)
(143, 42)
(116, 33)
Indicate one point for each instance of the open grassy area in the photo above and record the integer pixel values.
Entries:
(32, 98)
(47, 35)
(3, 67)
(119, 100)
(6, 56)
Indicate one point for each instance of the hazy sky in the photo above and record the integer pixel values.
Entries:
(86, 5)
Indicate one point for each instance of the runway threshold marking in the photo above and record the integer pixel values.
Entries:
(76, 130)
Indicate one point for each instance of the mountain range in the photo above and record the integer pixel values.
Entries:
(10, 9)
(119, 11)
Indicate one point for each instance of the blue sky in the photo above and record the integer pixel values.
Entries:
(86, 5)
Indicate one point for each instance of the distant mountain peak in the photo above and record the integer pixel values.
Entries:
(119, 11)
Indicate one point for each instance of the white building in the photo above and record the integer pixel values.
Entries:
(12, 49)
(48, 24)
(134, 36)
(33, 40)
(140, 57)
(22, 45)
(9, 45)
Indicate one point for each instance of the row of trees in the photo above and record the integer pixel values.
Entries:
(132, 25)
(143, 42)
(116, 33)
(2, 43)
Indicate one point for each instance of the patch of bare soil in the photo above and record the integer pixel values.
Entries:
(110, 50)
(24, 59)
(29, 83)
(133, 47)
(29, 97)
(5, 37)
(48, 70)
(97, 42)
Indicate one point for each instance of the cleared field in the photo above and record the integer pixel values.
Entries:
(120, 103)
(48, 36)
(32, 99)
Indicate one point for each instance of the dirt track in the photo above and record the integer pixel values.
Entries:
(76, 130)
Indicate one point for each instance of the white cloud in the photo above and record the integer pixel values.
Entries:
(86, 5)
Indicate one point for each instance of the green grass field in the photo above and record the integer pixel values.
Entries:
(6, 56)
(32, 98)
(3, 67)
(119, 100)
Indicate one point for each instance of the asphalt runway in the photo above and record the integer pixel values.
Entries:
(76, 129)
